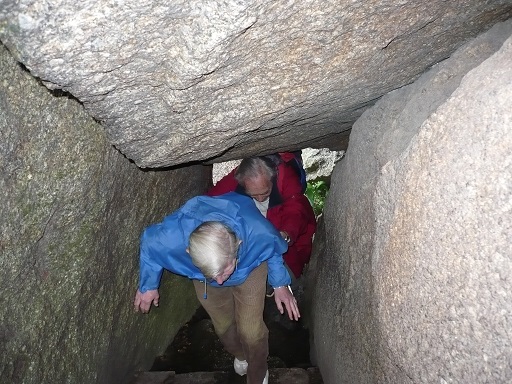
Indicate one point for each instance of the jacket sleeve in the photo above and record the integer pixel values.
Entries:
(227, 184)
(150, 269)
(295, 213)
(278, 275)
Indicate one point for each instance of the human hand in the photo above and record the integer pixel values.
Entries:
(284, 295)
(285, 236)
(143, 301)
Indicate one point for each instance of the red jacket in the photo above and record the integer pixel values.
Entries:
(289, 210)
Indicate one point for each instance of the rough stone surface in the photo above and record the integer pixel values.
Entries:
(443, 259)
(219, 170)
(319, 163)
(165, 377)
(194, 80)
(71, 216)
(414, 282)
(412, 277)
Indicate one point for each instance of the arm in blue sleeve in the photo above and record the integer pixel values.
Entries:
(150, 270)
(278, 275)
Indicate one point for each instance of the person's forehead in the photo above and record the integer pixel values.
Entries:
(259, 182)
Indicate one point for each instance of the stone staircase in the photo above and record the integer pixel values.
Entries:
(196, 355)
(276, 376)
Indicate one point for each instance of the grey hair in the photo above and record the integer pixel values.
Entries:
(254, 167)
(212, 245)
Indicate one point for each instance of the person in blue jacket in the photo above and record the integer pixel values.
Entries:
(227, 248)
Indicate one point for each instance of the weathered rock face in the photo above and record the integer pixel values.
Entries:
(414, 280)
(219, 170)
(413, 259)
(319, 163)
(187, 81)
(71, 215)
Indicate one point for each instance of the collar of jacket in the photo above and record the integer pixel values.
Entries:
(275, 198)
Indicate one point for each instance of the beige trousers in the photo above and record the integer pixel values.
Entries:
(237, 316)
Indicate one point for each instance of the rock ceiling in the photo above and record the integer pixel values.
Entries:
(174, 82)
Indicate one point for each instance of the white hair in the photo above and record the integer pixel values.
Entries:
(212, 246)
(254, 167)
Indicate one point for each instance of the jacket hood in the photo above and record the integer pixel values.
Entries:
(204, 208)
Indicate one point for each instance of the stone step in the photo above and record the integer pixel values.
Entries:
(276, 376)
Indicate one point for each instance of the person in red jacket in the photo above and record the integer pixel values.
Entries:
(276, 190)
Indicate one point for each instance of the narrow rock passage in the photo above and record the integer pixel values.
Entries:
(197, 356)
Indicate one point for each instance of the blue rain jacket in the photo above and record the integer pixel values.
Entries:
(163, 245)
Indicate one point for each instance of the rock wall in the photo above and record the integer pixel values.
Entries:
(258, 76)
(71, 215)
(319, 163)
(413, 281)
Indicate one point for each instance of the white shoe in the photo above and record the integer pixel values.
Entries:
(240, 366)
(265, 380)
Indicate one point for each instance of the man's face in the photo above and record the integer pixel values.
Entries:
(258, 188)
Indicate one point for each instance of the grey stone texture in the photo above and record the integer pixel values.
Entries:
(256, 76)
(219, 170)
(319, 163)
(413, 283)
(410, 277)
(72, 212)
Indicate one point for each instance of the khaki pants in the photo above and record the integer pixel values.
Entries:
(237, 316)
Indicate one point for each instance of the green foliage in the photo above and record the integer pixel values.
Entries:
(316, 192)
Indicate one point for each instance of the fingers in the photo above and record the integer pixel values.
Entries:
(144, 306)
(156, 298)
(293, 310)
(284, 295)
(136, 303)
(296, 312)
(279, 307)
(144, 300)
(290, 312)
(279, 303)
